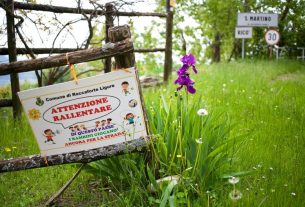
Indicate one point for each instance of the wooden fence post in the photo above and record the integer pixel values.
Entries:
(109, 23)
(168, 62)
(120, 33)
(127, 59)
(11, 42)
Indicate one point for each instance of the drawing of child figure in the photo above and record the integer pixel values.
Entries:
(103, 122)
(77, 127)
(125, 85)
(49, 134)
(83, 127)
(109, 121)
(72, 129)
(130, 118)
(97, 123)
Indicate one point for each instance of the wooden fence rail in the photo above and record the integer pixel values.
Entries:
(108, 50)
(60, 9)
(40, 51)
(38, 161)
(6, 102)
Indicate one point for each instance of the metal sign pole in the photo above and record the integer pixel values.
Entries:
(243, 49)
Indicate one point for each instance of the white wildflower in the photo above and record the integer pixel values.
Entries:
(293, 194)
(233, 180)
(202, 112)
(235, 195)
(199, 141)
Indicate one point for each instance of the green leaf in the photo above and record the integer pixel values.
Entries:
(167, 192)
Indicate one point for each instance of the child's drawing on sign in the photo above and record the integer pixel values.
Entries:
(109, 121)
(49, 134)
(131, 119)
(125, 86)
(71, 128)
(130, 123)
(83, 127)
(76, 127)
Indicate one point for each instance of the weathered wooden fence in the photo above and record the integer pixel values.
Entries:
(110, 12)
(121, 48)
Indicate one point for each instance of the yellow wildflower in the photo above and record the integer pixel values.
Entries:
(7, 149)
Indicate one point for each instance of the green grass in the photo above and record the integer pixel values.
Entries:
(262, 102)
(266, 99)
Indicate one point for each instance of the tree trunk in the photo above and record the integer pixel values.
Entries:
(168, 62)
(216, 48)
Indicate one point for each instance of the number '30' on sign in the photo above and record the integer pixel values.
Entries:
(272, 37)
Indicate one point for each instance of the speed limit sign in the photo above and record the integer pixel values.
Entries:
(272, 37)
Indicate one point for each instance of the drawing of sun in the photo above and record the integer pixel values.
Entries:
(34, 114)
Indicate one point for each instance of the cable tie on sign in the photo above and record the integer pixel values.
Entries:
(72, 70)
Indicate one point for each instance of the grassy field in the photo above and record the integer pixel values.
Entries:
(261, 103)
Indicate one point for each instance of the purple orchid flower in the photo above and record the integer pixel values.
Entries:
(183, 76)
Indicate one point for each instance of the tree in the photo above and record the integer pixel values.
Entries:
(211, 24)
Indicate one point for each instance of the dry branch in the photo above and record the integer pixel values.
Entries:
(38, 161)
(60, 9)
(149, 50)
(51, 201)
(108, 50)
